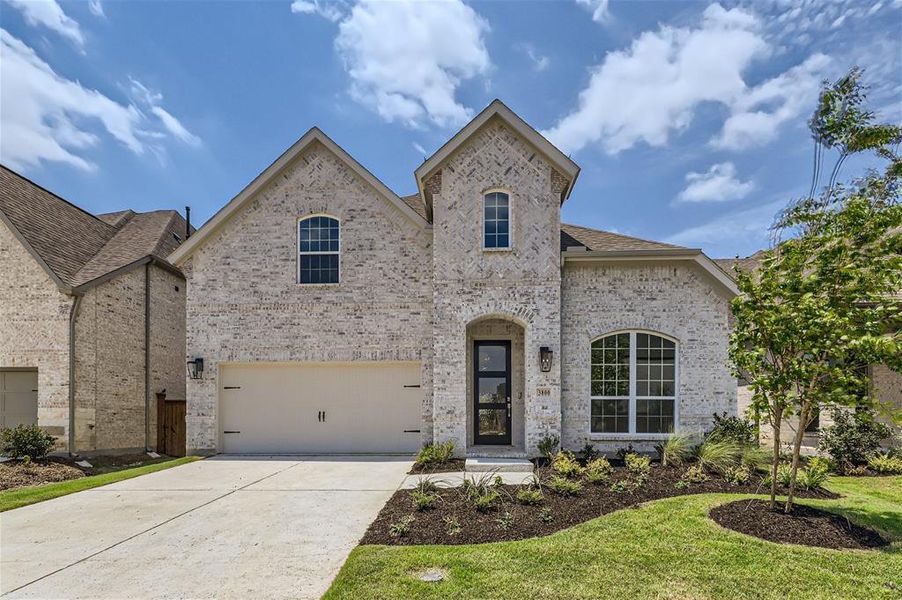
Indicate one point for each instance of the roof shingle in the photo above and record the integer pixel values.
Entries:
(596, 240)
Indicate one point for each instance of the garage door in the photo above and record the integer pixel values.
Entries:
(320, 408)
(18, 398)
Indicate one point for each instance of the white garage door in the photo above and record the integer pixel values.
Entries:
(320, 408)
(18, 398)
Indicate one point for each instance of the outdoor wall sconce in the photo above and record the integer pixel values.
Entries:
(196, 368)
(545, 356)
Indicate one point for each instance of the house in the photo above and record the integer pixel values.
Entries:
(329, 314)
(92, 321)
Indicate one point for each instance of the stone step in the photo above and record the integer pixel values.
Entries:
(502, 465)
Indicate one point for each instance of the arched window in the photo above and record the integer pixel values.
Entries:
(496, 221)
(634, 383)
(319, 246)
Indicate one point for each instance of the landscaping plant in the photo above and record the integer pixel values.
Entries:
(26, 441)
(822, 301)
(529, 496)
(813, 476)
(401, 527)
(452, 525)
(736, 429)
(548, 446)
(563, 486)
(566, 465)
(423, 500)
(589, 453)
(695, 474)
(675, 450)
(717, 455)
(546, 515)
(505, 520)
(598, 470)
(853, 437)
(738, 475)
(436, 454)
(638, 465)
(885, 464)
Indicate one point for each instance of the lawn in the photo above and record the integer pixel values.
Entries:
(24, 496)
(665, 549)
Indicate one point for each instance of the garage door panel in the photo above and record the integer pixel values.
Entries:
(320, 408)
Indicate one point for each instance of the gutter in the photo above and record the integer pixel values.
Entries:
(147, 356)
(73, 314)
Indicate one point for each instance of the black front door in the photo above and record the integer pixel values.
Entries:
(492, 392)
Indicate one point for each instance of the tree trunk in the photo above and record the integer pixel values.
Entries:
(796, 453)
(775, 462)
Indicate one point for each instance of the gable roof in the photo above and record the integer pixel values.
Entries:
(498, 109)
(575, 236)
(75, 247)
(314, 134)
(749, 263)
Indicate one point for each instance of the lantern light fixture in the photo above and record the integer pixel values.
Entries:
(196, 368)
(545, 356)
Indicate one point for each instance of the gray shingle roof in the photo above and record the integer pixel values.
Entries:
(76, 245)
(596, 240)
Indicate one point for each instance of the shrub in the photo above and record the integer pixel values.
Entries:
(479, 486)
(486, 501)
(695, 474)
(452, 525)
(548, 446)
(566, 465)
(741, 432)
(813, 477)
(853, 437)
(738, 475)
(638, 465)
(681, 484)
(529, 496)
(717, 454)
(886, 464)
(784, 474)
(754, 457)
(564, 487)
(425, 485)
(546, 515)
(401, 527)
(819, 462)
(505, 521)
(623, 485)
(675, 450)
(436, 454)
(422, 500)
(622, 452)
(598, 470)
(26, 440)
(589, 453)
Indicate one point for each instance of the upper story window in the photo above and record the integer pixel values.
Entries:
(496, 221)
(634, 384)
(319, 245)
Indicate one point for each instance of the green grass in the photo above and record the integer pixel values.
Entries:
(10, 499)
(665, 549)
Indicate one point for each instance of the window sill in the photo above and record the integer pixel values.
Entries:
(634, 437)
(508, 249)
(318, 285)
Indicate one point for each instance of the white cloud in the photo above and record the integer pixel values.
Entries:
(407, 59)
(540, 62)
(328, 10)
(175, 127)
(667, 74)
(738, 233)
(717, 184)
(96, 8)
(46, 117)
(49, 14)
(420, 149)
(599, 8)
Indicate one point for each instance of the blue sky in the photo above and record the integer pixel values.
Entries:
(687, 118)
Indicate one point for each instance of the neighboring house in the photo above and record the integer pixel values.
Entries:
(332, 315)
(886, 384)
(92, 318)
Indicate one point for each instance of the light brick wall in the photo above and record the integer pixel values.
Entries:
(676, 300)
(522, 285)
(244, 302)
(34, 331)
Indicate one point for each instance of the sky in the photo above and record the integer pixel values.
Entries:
(688, 119)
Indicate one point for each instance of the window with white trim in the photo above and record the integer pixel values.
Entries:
(319, 247)
(496, 221)
(634, 382)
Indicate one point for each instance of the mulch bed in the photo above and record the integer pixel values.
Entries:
(16, 474)
(806, 525)
(429, 527)
(452, 466)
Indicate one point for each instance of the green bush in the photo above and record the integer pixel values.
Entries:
(819, 462)
(401, 527)
(675, 450)
(486, 501)
(426, 485)
(853, 437)
(813, 477)
(548, 446)
(589, 452)
(755, 458)
(741, 432)
(695, 474)
(529, 496)
(26, 440)
(598, 470)
(638, 465)
(718, 454)
(505, 521)
(436, 454)
(738, 475)
(452, 525)
(564, 487)
(886, 464)
(566, 465)
(422, 500)
(546, 515)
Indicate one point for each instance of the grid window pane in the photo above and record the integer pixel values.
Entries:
(655, 366)
(654, 415)
(610, 416)
(318, 248)
(496, 228)
(610, 367)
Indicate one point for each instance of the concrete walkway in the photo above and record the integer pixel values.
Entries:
(225, 527)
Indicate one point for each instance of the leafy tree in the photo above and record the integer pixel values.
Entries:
(822, 302)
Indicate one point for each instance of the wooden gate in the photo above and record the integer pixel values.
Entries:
(171, 429)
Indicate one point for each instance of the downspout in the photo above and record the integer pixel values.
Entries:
(147, 357)
(73, 314)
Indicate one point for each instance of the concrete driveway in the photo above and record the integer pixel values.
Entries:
(225, 527)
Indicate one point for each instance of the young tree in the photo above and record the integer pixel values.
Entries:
(824, 300)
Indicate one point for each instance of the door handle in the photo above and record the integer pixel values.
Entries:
(508, 406)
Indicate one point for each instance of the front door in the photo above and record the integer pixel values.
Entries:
(492, 392)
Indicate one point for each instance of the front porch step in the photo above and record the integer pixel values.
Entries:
(501, 465)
